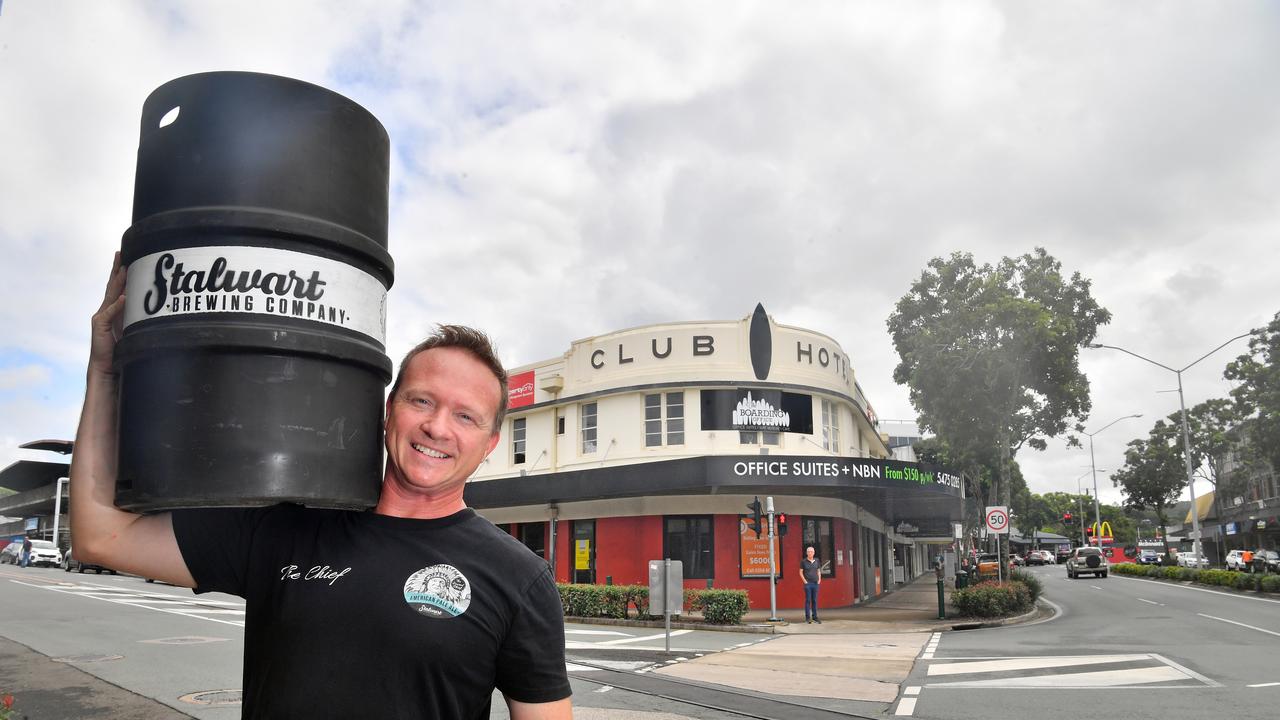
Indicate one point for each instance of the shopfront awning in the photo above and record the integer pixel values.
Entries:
(1204, 503)
(30, 474)
(892, 490)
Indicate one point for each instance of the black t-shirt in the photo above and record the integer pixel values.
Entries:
(355, 614)
(811, 569)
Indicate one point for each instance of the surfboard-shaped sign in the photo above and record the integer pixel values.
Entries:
(761, 342)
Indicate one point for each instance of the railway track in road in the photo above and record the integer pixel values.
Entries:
(723, 699)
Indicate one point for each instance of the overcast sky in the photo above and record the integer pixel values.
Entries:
(564, 170)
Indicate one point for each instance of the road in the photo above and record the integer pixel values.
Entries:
(185, 651)
(1120, 647)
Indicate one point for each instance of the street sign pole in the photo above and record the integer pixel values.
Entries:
(666, 606)
(773, 566)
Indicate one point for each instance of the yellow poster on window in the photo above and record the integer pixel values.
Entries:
(582, 555)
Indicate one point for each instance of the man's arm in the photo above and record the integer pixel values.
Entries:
(101, 533)
(557, 710)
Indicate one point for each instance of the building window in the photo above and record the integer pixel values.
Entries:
(689, 539)
(751, 437)
(830, 426)
(517, 440)
(559, 424)
(655, 418)
(588, 425)
(817, 534)
(534, 537)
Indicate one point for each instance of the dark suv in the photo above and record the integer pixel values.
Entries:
(1064, 552)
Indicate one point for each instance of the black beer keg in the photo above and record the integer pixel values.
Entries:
(253, 360)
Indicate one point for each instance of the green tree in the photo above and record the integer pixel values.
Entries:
(1153, 475)
(991, 354)
(1257, 395)
(1211, 426)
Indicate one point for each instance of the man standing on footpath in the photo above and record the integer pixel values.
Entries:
(811, 568)
(417, 609)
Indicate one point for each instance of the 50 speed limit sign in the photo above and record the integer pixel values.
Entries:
(998, 519)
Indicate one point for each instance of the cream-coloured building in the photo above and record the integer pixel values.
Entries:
(651, 442)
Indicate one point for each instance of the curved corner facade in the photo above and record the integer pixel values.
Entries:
(652, 442)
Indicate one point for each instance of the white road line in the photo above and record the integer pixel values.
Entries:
(1188, 671)
(1095, 587)
(1151, 602)
(594, 632)
(121, 601)
(642, 638)
(1211, 592)
(906, 706)
(927, 656)
(605, 689)
(1028, 663)
(1233, 622)
(1105, 678)
(1264, 685)
(912, 690)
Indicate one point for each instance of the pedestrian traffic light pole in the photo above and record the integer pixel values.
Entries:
(773, 564)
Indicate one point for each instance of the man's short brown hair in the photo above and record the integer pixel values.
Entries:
(474, 342)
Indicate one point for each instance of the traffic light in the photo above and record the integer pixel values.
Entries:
(756, 510)
(1066, 517)
(782, 524)
(1089, 531)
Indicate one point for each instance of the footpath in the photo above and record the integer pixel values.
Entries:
(863, 652)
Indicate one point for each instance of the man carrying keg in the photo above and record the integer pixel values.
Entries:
(419, 608)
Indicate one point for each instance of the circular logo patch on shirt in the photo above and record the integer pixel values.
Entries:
(438, 591)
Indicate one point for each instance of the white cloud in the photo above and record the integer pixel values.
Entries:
(565, 171)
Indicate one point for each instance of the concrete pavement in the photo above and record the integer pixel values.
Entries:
(861, 652)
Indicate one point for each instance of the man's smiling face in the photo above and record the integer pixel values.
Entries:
(440, 422)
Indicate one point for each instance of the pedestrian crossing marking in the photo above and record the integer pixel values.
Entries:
(1031, 663)
(200, 608)
(1103, 678)
(1135, 671)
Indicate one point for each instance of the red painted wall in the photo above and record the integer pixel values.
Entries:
(625, 545)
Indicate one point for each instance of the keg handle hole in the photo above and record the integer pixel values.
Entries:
(170, 116)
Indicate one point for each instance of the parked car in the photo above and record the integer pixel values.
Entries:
(1017, 560)
(12, 554)
(1265, 561)
(1035, 557)
(70, 563)
(1235, 560)
(988, 566)
(44, 552)
(1087, 560)
(1190, 560)
(1148, 557)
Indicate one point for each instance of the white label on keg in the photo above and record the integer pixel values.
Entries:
(258, 281)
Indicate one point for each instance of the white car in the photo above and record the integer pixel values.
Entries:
(1235, 560)
(44, 552)
(1189, 560)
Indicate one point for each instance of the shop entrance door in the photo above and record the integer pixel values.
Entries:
(584, 551)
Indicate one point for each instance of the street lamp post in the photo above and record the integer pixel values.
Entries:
(1080, 509)
(1186, 431)
(1093, 469)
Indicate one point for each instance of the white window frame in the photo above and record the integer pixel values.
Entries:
(663, 419)
(588, 428)
(831, 426)
(519, 440)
